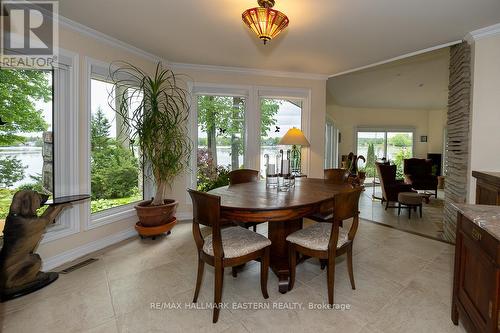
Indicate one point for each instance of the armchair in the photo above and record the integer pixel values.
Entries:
(418, 174)
(391, 187)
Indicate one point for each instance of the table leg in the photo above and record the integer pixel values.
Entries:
(277, 233)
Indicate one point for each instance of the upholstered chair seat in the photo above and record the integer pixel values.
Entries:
(317, 236)
(237, 242)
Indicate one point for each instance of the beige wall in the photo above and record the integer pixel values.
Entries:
(85, 45)
(425, 122)
(485, 132)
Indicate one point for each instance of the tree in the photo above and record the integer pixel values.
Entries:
(398, 161)
(370, 160)
(99, 130)
(11, 171)
(19, 90)
(400, 140)
(223, 117)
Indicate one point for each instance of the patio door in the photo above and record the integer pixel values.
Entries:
(394, 145)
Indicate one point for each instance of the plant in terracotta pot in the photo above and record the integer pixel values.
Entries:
(154, 110)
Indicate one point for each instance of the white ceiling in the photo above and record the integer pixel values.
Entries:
(419, 82)
(324, 36)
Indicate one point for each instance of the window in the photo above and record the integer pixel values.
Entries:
(277, 116)
(26, 140)
(115, 169)
(221, 138)
(393, 145)
(331, 145)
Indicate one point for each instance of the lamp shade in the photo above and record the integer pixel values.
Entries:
(267, 23)
(294, 136)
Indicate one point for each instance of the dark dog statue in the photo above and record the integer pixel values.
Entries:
(19, 265)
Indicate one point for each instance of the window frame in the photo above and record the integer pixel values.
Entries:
(252, 95)
(65, 130)
(98, 70)
(386, 129)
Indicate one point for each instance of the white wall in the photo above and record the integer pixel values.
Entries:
(426, 122)
(485, 125)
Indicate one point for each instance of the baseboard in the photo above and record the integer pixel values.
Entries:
(80, 251)
(184, 216)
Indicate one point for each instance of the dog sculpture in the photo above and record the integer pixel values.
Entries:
(19, 265)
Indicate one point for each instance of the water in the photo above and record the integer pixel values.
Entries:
(224, 156)
(30, 157)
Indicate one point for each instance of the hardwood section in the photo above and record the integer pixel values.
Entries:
(476, 284)
(487, 188)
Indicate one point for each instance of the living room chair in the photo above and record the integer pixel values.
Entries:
(418, 174)
(391, 186)
(328, 240)
(241, 176)
(228, 247)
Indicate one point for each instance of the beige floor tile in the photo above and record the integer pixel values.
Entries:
(108, 327)
(413, 311)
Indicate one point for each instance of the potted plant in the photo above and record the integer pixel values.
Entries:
(362, 175)
(154, 110)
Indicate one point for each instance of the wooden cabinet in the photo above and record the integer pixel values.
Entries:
(476, 284)
(487, 187)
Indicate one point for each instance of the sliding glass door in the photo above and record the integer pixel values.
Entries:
(378, 144)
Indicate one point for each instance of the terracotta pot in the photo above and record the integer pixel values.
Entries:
(151, 216)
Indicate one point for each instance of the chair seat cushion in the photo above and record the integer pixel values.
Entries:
(317, 236)
(410, 198)
(237, 242)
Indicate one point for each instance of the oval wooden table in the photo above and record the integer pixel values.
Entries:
(253, 202)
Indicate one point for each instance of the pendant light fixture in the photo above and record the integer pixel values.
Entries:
(267, 23)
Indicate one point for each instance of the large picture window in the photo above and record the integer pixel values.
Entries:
(221, 138)
(26, 137)
(277, 116)
(115, 168)
(393, 145)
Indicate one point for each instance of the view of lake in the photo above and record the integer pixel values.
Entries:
(30, 157)
(224, 155)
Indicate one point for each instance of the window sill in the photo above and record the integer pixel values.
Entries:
(112, 215)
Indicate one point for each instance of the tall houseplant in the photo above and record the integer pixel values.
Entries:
(154, 110)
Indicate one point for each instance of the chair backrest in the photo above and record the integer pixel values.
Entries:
(346, 203)
(345, 206)
(417, 166)
(336, 176)
(206, 211)
(243, 176)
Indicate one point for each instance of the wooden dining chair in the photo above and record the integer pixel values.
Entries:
(336, 176)
(227, 247)
(331, 176)
(328, 240)
(241, 176)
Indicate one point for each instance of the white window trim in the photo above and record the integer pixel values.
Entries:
(65, 129)
(385, 129)
(252, 119)
(116, 214)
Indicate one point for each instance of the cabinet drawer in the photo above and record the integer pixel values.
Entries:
(482, 238)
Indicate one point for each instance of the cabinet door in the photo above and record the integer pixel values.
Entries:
(476, 291)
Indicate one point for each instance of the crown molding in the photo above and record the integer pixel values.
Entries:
(85, 30)
(404, 56)
(485, 32)
(248, 71)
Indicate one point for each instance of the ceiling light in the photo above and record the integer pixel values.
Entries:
(267, 23)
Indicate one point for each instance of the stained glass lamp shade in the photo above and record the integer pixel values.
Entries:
(267, 23)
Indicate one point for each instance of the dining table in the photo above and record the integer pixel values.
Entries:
(283, 210)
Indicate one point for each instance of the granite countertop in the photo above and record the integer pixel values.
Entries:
(486, 217)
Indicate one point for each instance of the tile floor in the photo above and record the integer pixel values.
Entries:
(403, 285)
(431, 223)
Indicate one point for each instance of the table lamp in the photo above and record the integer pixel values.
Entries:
(295, 137)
